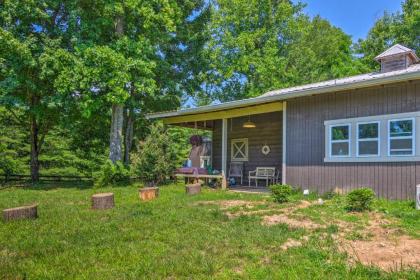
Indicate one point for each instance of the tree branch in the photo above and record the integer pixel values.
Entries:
(16, 118)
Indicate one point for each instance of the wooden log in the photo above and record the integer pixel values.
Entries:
(24, 212)
(193, 189)
(103, 201)
(148, 193)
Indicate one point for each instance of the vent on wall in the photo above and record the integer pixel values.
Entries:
(396, 57)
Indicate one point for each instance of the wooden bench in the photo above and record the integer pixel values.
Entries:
(262, 173)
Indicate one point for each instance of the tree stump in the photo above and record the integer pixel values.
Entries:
(148, 193)
(102, 201)
(24, 212)
(193, 189)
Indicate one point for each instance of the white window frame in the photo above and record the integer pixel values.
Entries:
(412, 137)
(234, 143)
(331, 142)
(378, 139)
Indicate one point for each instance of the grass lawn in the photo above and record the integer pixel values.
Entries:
(182, 237)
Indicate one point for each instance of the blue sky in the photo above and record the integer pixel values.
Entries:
(355, 17)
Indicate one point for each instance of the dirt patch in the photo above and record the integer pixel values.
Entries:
(290, 243)
(386, 254)
(226, 204)
(291, 222)
(386, 248)
(284, 218)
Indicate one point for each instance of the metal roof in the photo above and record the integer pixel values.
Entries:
(354, 82)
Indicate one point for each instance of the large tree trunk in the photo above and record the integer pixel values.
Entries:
(117, 121)
(128, 141)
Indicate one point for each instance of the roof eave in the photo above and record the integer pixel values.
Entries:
(281, 97)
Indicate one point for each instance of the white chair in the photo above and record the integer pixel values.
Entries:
(262, 173)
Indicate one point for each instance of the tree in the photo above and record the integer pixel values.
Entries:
(258, 45)
(155, 158)
(148, 38)
(392, 28)
(33, 51)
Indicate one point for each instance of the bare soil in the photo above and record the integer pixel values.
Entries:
(387, 248)
(382, 245)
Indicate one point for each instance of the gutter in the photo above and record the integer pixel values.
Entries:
(280, 97)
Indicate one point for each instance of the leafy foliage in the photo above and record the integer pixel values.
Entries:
(155, 158)
(360, 199)
(111, 174)
(392, 28)
(258, 45)
(281, 193)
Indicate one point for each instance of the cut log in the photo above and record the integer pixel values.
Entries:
(24, 212)
(148, 193)
(193, 189)
(102, 201)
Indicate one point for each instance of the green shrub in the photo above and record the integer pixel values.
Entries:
(281, 193)
(155, 158)
(329, 195)
(8, 165)
(360, 199)
(111, 173)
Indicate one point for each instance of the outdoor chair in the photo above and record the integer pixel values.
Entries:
(236, 170)
(262, 173)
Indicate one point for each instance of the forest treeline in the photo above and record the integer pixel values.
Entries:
(77, 77)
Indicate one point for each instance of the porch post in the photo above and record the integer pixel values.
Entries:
(284, 149)
(224, 151)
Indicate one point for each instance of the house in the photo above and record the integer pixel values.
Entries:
(345, 133)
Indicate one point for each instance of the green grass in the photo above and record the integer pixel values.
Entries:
(168, 238)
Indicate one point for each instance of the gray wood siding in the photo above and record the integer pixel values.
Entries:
(268, 131)
(394, 63)
(306, 141)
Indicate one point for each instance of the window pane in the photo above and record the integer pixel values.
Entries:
(340, 132)
(340, 149)
(401, 128)
(368, 130)
(401, 146)
(368, 148)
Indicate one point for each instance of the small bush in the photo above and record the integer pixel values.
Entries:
(281, 193)
(155, 158)
(329, 195)
(360, 199)
(111, 173)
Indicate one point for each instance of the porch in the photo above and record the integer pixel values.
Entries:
(251, 136)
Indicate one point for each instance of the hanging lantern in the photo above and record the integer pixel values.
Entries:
(249, 124)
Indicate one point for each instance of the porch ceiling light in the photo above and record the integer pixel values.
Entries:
(249, 124)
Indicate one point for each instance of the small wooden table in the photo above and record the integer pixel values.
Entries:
(196, 177)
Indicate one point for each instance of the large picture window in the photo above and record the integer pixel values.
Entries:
(340, 141)
(368, 139)
(239, 149)
(401, 137)
(380, 138)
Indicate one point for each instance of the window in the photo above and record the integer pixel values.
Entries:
(381, 138)
(340, 141)
(368, 139)
(401, 137)
(239, 149)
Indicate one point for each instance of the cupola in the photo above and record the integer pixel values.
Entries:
(396, 57)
